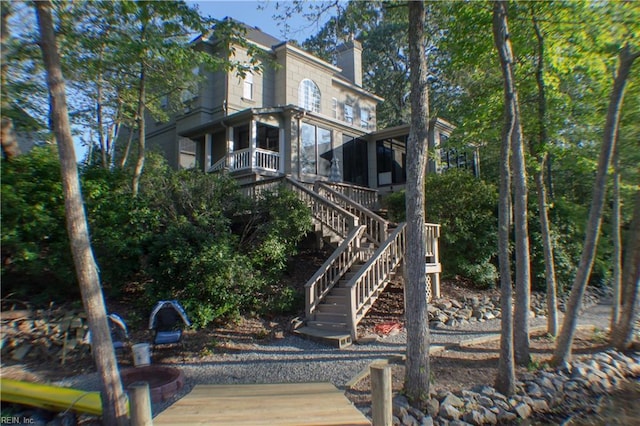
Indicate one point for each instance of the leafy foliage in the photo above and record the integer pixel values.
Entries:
(189, 235)
(35, 246)
(279, 222)
(466, 209)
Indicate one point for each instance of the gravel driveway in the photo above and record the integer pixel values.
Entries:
(294, 359)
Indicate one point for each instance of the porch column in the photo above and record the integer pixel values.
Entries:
(208, 147)
(282, 144)
(230, 158)
(253, 133)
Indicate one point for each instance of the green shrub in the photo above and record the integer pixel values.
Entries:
(280, 221)
(465, 207)
(119, 225)
(188, 235)
(395, 205)
(36, 257)
(218, 273)
(206, 273)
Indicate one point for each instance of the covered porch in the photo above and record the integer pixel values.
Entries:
(256, 146)
(251, 160)
(250, 142)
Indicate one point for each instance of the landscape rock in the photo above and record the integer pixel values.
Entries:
(538, 393)
(505, 417)
(449, 412)
(452, 400)
(427, 421)
(455, 313)
(409, 420)
(523, 410)
(433, 406)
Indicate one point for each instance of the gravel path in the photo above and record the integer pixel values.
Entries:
(294, 359)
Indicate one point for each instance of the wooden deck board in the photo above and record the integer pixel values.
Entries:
(311, 404)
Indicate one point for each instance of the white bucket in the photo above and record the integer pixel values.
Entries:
(141, 354)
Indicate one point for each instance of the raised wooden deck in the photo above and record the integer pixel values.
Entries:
(265, 404)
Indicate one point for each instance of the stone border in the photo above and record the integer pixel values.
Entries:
(433, 349)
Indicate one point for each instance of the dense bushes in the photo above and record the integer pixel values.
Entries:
(35, 248)
(465, 207)
(188, 235)
(467, 210)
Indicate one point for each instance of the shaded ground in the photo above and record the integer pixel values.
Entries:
(460, 368)
(453, 369)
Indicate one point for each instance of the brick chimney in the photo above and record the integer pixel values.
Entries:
(349, 58)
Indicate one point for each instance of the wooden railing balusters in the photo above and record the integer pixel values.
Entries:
(351, 221)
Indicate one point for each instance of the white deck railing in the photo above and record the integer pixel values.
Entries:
(246, 159)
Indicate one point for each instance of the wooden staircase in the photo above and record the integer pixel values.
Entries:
(369, 252)
(329, 323)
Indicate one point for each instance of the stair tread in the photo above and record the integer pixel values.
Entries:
(333, 317)
(323, 332)
(328, 325)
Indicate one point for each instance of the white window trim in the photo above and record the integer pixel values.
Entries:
(309, 96)
(348, 117)
(247, 88)
(365, 119)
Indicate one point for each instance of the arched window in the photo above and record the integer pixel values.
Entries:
(309, 95)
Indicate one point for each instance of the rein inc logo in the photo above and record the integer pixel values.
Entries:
(16, 420)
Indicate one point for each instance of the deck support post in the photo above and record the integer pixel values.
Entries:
(140, 404)
(381, 403)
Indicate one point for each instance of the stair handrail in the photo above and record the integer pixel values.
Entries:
(326, 277)
(373, 274)
(254, 189)
(336, 218)
(329, 214)
(377, 226)
(367, 197)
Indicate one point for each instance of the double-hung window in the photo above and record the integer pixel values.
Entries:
(247, 90)
(364, 118)
(348, 113)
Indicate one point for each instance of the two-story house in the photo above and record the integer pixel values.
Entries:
(300, 116)
(303, 120)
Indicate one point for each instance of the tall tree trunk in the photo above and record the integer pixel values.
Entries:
(543, 208)
(142, 101)
(114, 407)
(8, 139)
(101, 138)
(617, 242)
(417, 371)
(562, 352)
(137, 172)
(523, 274)
(127, 150)
(623, 331)
(505, 379)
